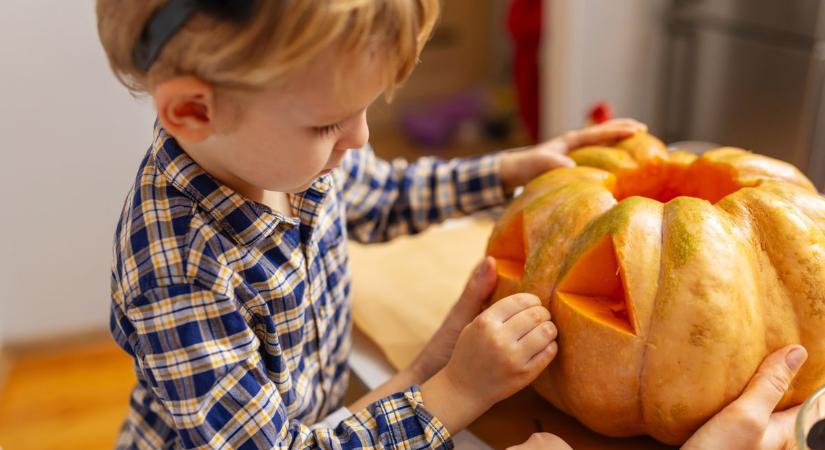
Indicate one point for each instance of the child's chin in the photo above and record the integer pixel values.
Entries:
(305, 186)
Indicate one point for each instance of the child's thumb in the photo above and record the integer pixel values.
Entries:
(481, 284)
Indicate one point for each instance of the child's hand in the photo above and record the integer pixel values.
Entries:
(518, 168)
(438, 350)
(503, 349)
(498, 353)
(542, 441)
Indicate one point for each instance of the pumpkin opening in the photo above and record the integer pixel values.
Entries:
(509, 278)
(508, 244)
(594, 287)
(663, 181)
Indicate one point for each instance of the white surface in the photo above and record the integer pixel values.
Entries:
(367, 361)
(373, 369)
(72, 141)
(600, 50)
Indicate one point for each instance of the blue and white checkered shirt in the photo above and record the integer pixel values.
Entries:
(238, 318)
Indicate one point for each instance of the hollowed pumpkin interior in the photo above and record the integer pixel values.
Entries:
(595, 288)
(664, 181)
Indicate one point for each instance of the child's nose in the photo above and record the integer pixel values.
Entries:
(357, 135)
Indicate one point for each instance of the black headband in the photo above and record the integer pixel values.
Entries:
(169, 18)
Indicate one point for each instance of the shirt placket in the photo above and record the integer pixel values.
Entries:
(308, 207)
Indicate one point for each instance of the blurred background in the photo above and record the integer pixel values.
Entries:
(497, 74)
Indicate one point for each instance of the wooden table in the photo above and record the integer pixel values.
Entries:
(403, 289)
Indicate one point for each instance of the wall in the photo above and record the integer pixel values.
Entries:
(71, 142)
(601, 50)
(72, 138)
(463, 53)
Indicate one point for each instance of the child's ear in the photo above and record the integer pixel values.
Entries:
(186, 108)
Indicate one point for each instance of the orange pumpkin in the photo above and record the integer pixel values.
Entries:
(670, 277)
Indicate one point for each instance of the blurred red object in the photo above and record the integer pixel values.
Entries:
(524, 22)
(600, 112)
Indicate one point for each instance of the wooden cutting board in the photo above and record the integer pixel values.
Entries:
(403, 289)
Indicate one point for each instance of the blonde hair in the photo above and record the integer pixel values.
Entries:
(281, 37)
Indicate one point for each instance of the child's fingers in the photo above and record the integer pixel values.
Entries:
(540, 360)
(536, 340)
(508, 307)
(639, 126)
(555, 160)
(606, 132)
(557, 146)
(526, 321)
(595, 135)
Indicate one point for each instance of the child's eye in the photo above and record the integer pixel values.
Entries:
(328, 129)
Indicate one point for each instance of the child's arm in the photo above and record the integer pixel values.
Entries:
(197, 353)
(434, 356)
(477, 358)
(387, 199)
(500, 352)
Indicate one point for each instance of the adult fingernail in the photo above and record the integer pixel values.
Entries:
(796, 357)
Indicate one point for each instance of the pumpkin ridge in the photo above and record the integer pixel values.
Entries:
(647, 344)
(715, 260)
(588, 209)
(809, 304)
(548, 203)
(701, 320)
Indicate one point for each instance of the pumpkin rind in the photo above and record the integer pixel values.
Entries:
(727, 268)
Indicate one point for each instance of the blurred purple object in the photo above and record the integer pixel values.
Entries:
(434, 125)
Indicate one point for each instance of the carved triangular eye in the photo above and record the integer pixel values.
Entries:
(594, 287)
(510, 274)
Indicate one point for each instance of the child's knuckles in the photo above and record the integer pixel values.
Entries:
(545, 313)
(525, 373)
(548, 332)
(500, 346)
(552, 350)
(537, 316)
(527, 300)
(551, 328)
(484, 323)
(515, 361)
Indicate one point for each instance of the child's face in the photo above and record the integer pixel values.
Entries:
(285, 137)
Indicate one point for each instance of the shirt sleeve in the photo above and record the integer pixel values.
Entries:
(202, 360)
(386, 199)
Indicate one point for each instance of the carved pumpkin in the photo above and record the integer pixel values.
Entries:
(670, 277)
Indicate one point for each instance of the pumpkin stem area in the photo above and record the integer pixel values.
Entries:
(594, 288)
(663, 181)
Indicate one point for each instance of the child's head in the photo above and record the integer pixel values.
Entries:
(270, 100)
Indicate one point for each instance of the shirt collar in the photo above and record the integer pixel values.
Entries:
(248, 222)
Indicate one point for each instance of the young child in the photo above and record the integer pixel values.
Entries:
(230, 285)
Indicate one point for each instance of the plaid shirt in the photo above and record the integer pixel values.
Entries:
(238, 318)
